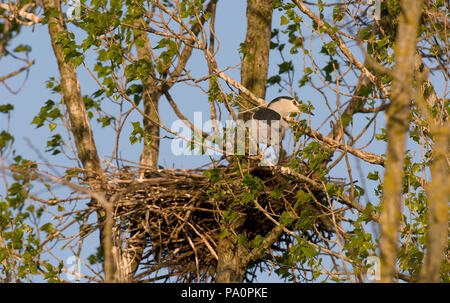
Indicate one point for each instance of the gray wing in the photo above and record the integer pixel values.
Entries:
(267, 119)
(266, 114)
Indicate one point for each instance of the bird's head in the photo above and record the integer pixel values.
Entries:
(284, 105)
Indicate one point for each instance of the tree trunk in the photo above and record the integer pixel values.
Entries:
(72, 98)
(257, 47)
(150, 96)
(397, 128)
(82, 133)
(438, 196)
(230, 269)
(438, 190)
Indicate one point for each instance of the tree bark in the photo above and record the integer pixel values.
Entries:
(438, 196)
(438, 190)
(255, 64)
(230, 269)
(72, 98)
(151, 94)
(397, 128)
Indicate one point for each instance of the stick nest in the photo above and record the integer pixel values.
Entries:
(180, 214)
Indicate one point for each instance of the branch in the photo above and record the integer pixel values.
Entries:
(258, 252)
(366, 156)
(342, 46)
(315, 185)
(15, 13)
(3, 78)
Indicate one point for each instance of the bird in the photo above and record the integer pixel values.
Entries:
(270, 124)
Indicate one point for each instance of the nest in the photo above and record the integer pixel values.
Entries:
(181, 213)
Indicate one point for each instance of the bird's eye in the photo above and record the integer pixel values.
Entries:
(294, 102)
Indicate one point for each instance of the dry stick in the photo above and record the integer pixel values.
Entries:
(123, 94)
(196, 28)
(210, 58)
(338, 242)
(290, 173)
(366, 156)
(258, 206)
(184, 118)
(196, 258)
(208, 245)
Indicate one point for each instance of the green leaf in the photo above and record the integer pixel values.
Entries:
(302, 198)
(285, 67)
(105, 121)
(274, 80)
(287, 218)
(224, 233)
(54, 144)
(52, 126)
(3, 254)
(49, 111)
(373, 176)
(5, 138)
(258, 241)
(284, 20)
(366, 216)
(6, 108)
(276, 193)
(329, 48)
(253, 183)
(23, 48)
(48, 228)
(137, 134)
(338, 13)
(213, 175)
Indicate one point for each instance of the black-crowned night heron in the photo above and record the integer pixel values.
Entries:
(271, 125)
